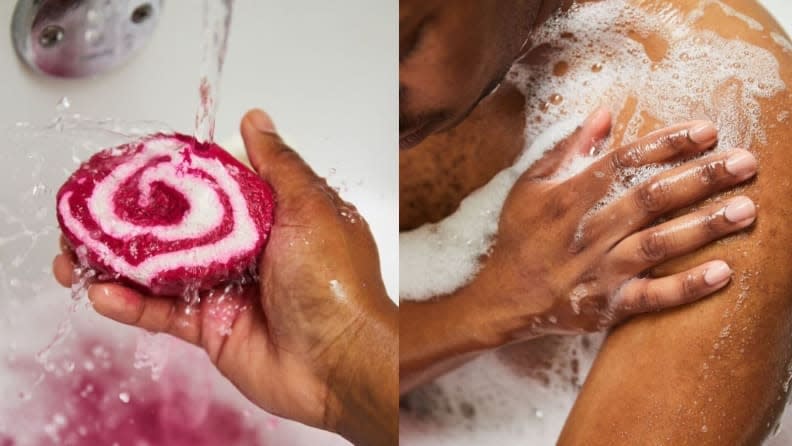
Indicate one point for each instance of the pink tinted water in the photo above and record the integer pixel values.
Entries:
(102, 401)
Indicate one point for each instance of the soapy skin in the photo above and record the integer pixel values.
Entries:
(555, 279)
(315, 339)
(709, 373)
(166, 214)
(715, 372)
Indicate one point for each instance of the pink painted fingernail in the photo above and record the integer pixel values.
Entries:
(703, 133)
(741, 163)
(740, 209)
(717, 273)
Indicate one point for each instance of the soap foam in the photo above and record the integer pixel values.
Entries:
(436, 259)
(699, 76)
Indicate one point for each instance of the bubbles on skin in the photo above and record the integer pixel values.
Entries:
(694, 79)
(781, 41)
(728, 10)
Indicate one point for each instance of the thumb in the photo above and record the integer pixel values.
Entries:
(595, 128)
(270, 157)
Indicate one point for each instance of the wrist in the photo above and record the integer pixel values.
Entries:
(503, 304)
(362, 389)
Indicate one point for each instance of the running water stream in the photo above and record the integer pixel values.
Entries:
(217, 23)
(89, 381)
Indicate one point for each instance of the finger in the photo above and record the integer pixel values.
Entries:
(594, 129)
(270, 157)
(669, 144)
(62, 269)
(647, 295)
(157, 314)
(670, 191)
(680, 236)
(64, 246)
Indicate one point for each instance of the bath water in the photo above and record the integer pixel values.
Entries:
(71, 377)
(597, 56)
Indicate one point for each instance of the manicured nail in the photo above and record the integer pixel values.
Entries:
(717, 273)
(740, 209)
(261, 121)
(703, 133)
(741, 163)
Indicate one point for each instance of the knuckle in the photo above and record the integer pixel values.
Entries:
(690, 286)
(713, 225)
(711, 172)
(653, 196)
(678, 142)
(653, 247)
(287, 155)
(619, 160)
(560, 202)
(171, 319)
(648, 300)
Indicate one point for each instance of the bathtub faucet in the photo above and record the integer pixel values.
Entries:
(78, 38)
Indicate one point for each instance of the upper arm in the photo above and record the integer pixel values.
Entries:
(717, 371)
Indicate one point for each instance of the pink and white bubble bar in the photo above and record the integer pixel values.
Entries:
(166, 214)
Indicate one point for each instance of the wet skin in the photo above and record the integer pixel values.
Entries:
(661, 394)
(297, 347)
(686, 384)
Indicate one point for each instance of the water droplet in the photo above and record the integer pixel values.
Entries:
(92, 35)
(704, 428)
(561, 68)
(39, 189)
(124, 397)
(59, 420)
(63, 105)
(597, 67)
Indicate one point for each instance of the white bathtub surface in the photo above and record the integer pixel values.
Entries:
(326, 72)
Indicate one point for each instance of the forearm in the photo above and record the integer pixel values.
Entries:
(365, 388)
(434, 337)
(711, 373)
(441, 334)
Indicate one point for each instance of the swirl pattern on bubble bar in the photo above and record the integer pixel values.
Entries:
(166, 214)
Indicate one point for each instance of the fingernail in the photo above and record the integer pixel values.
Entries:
(740, 209)
(717, 273)
(261, 121)
(596, 115)
(741, 163)
(703, 133)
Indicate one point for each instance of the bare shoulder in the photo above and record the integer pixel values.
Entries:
(713, 372)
